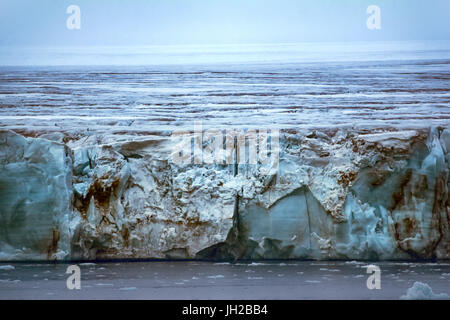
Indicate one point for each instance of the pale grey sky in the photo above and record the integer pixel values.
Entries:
(154, 22)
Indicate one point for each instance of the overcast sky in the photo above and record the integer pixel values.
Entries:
(154, 22)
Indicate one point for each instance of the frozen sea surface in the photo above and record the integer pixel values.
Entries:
(308, 85)
(205, 280)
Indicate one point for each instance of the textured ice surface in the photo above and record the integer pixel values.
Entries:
(422, 291)
(399, 88)
(85, 170)
(35, 198)
(348, 196)
(337, 194)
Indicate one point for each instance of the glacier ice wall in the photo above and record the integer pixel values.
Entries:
(337, 194)
(35, 198)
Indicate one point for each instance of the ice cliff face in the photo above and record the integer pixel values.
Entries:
(337, 194)
(35, 198)
(351, 196)
(130, 201)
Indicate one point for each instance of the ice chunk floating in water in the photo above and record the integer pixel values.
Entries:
(422, 291)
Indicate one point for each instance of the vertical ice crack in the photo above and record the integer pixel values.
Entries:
(236, 200)
(309, 218)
